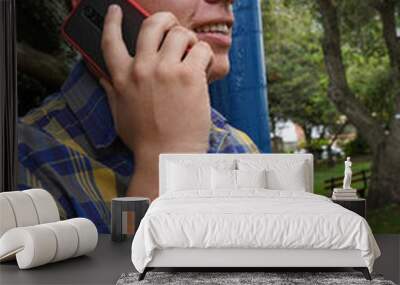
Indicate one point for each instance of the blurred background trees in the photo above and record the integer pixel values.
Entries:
(335, 65)
(44, 59)
(296, 75)
(367, 35)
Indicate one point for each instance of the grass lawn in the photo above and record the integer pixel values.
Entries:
(384, 220)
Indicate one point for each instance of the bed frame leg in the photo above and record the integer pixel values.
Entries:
(143, 274)
(364, 271)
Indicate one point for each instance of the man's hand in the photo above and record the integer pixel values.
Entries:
(159, 99)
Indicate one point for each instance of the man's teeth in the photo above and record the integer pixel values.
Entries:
(215, 28)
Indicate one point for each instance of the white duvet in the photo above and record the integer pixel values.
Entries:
(250, 218)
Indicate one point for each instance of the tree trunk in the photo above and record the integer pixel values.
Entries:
(48, 69)
(307, 137)
(384, 186)
(385, 180)
(332, 162)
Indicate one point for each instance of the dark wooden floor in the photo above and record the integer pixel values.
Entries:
(110, 260)
(389, 262)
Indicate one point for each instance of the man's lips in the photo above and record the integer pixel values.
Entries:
(218, 39)
(216, 32)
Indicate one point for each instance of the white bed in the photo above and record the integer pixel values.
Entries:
(249, 227)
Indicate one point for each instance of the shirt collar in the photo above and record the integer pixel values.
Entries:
(218, 119)
(89, 103)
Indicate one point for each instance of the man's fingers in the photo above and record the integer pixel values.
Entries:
(115, 52)
(177, 43)
(200, 56)
(153, 31)
(107, 87)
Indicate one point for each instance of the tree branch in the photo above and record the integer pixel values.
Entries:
(48, 69)
(337, 133)
(387, 13)
(339, 91)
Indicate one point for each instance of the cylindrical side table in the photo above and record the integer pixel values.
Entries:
(126, 214)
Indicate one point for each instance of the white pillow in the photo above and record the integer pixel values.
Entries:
(204, 162)
(223, 179)
(251, 178)
(189, 177)
(293, 180)
(282, 174)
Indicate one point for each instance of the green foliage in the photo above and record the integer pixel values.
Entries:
(366, 58)
(298, 82)
(295, 64)
(297, 77)
(314, 146)
(358, 146)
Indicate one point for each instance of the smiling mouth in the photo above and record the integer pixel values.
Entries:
(216, 34)
(221, 28)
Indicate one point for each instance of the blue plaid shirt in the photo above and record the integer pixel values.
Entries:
(69, 147)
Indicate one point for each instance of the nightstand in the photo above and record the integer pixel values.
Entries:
(126, 215)
(358, 206)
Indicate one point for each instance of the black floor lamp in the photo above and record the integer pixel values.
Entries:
(8, 96)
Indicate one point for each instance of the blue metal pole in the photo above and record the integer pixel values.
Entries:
(242, 96)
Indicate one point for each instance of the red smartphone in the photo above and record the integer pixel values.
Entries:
(84, 27)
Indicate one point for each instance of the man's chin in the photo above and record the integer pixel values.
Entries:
(219, 70)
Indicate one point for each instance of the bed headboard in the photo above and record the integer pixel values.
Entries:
(164, 158)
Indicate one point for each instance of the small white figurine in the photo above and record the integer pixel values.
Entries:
(347, 174)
